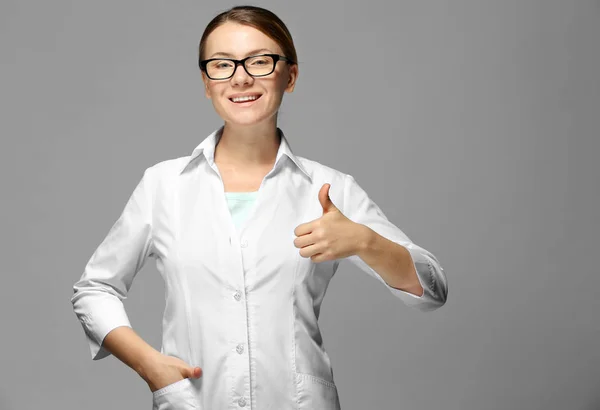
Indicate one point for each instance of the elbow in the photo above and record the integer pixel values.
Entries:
(89, 296)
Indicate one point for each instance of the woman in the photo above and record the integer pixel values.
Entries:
(246, 236)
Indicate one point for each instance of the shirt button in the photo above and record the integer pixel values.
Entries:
(244, 243)
(237, 295)
(240, 348)
(242, 402)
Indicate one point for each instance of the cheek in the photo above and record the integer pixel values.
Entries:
(212, 92)
(215, 90)
(276, 91)
(280, 84)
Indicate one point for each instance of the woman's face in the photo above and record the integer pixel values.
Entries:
(232, 40)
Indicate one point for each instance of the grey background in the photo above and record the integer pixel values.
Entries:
(475, 130)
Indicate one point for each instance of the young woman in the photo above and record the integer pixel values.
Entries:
(246, 236)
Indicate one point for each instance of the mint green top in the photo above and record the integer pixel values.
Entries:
(240, 205)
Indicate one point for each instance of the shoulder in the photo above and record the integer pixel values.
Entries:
(341, 182)
(321, 172)
(166, 169)
(161, 175)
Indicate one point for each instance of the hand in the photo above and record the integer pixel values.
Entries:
(332, 236)
(161, 370)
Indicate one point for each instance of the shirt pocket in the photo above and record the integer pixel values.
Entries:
(316, 393)
(180, 395)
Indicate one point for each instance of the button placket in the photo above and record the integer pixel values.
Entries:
(240, 348)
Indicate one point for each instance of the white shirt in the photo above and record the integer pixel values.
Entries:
(241, 304)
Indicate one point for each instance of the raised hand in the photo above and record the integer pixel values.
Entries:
(332, 236)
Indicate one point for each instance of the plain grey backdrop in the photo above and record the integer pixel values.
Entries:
(474, 125)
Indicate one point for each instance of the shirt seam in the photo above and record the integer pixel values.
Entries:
(432, 276)
(293, 335)
(298, 263)
(150, 195)
(184, 288)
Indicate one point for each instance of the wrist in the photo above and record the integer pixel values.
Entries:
(366, 237)
(145, 363)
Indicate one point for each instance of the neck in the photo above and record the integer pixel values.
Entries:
(248, 146)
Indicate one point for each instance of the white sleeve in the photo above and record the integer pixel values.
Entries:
(361, 209)
(107, 277)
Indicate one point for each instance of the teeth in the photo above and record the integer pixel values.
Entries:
(245, 98)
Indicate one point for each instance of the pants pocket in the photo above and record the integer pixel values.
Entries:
(176, 396)
(316, 393)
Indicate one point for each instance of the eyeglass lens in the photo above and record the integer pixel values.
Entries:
(259, 65)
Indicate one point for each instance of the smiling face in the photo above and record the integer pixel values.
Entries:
(242, 99)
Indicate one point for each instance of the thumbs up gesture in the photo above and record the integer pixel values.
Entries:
(332, 236)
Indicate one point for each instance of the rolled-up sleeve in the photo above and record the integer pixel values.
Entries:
(358, 207)
(107, 277)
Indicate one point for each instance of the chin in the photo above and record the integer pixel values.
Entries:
(246, 119)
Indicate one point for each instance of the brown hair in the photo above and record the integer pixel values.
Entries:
(259, 18)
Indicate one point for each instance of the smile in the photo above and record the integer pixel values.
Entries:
(245, 98)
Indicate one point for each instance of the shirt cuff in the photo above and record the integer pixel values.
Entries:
(433, 292)
(98, 318)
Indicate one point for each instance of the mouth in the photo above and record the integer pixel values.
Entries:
(245, 99)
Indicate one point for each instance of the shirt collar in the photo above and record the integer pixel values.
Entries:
(207, 147)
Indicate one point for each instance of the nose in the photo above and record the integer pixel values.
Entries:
(240, 76)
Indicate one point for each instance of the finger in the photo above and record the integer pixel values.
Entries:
(304, 240)
(304, 228)
(309, 251)
(318, 257)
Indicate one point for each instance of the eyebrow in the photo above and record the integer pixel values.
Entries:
(253, 52)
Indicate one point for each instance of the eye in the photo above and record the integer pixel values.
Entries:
(220, 64)
(260, 61)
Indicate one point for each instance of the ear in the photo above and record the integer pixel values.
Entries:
(293, 76)
(206, 80)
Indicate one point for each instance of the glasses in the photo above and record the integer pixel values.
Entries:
(255, 66)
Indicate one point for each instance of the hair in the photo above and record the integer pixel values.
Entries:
(261, 19)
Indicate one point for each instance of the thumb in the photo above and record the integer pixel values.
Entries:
(194, 372)
(324, 199)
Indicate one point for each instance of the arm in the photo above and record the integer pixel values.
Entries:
(390, 256)
(390, 260)
(127, 346)
(156, 369)
(106, 280)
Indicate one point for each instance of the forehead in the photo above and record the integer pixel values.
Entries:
(238, 40)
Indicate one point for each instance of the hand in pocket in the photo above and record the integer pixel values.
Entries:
(162, 370)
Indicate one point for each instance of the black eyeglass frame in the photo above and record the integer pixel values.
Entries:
(242, 62)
